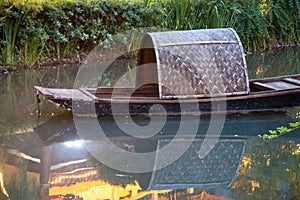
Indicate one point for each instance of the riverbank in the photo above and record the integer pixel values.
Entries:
(38, 33)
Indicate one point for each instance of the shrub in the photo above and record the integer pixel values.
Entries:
(48, 30)
(39, 30)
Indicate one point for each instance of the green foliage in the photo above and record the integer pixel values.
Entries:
(279, 131)
(10, 33)
(259, 28)
(33, 41)
(253, 26)
(193, 14)
(34, 30)
(3, 14)
(285, 25)
(48, 30)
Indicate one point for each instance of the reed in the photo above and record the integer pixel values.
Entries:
(10, 30)
(33, 45)
(260, 24)
(178, 14)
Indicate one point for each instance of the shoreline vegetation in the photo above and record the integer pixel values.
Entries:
(49, 32)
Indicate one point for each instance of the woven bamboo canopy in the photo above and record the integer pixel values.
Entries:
(196, 63)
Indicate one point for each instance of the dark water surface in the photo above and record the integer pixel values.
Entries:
(50, 154)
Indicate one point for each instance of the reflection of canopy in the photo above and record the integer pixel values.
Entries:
(217, 169)
(210, 61)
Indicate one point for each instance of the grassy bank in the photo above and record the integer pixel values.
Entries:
(37, 32)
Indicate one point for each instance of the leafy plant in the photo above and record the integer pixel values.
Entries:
(33, 41)
(286, 25)
(282, 130)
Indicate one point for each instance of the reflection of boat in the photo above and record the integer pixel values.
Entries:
(198, 71)
(217, 169)
(73, 167)
(65, 167)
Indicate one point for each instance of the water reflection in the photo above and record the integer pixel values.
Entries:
(45, 155)
(270, 170)
(52, 161)
(17, 98)
(277, 62)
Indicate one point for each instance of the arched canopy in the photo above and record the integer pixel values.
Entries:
(196, 63)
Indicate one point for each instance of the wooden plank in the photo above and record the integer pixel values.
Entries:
(88, 93)
(282, 85)
(292, 80)
(263, 86)
(110, 90)
(64, 94)
(276, 85)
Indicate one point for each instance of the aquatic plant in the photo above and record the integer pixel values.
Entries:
(282, 130)
(253, 26)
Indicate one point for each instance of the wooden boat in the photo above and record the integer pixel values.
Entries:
(185, 72)
(273, 94)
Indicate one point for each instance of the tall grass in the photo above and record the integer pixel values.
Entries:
(33, 44)
(194, 14)
(286, 25)
(10, 31)
(253, 27)
(260, 24)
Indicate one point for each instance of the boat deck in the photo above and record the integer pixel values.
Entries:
(66, 94)
(281, 84)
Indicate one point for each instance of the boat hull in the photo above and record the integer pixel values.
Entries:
(231, 105)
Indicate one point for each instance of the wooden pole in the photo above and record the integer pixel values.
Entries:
(154, 195)
(115, 193)
(3, 193)
(190, 190)
(45, 171)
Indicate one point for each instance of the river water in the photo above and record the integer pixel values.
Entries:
(49, 154)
